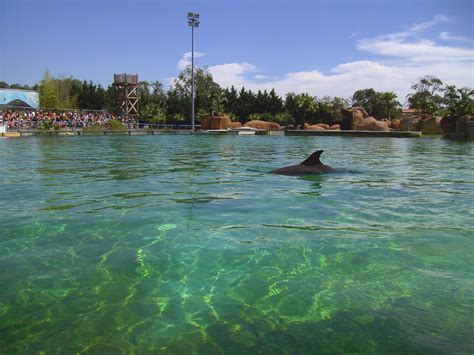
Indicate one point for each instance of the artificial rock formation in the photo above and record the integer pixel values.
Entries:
(235, 125)
(431, 125)
(395, 124)
(357, 119)
(216, 122)
(257, 124)
(315, 127)
(424, 124)
(410, 124)
(458, 125)
(462, 123)
(321, 127)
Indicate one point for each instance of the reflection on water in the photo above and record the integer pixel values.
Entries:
(174, 244)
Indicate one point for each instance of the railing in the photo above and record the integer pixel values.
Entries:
(28, 108)
(167, 126)
(138, 127)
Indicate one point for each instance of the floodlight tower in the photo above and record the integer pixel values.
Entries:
(193, 21)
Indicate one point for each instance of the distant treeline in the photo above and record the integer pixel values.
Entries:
(157, 105)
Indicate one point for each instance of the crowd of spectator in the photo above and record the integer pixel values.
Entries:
(72, 119)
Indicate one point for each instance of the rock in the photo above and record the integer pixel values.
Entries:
(430, 125)
(424, 123)
(410, 124)
(257, 124)
(448, 125)
(462, 123)
(357, 119)
(460, 126)
(235, 125)
(216, 122)
(315, 127)
(395, 124)
(371, 124)
(335, 127)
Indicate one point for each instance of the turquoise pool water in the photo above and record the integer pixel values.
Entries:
(184, 244)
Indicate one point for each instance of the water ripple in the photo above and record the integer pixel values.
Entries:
(184, 244)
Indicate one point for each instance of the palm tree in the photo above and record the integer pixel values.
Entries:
(389, 98)
(459, 102)
(305, 104)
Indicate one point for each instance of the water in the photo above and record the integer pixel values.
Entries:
(184, 244)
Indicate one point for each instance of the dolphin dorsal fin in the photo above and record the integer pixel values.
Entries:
(313, 159)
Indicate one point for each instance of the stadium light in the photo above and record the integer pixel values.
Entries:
(193, 21)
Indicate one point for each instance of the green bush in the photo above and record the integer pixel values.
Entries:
(156, 119)
(262, 117)
(116, 125)
(284, 118)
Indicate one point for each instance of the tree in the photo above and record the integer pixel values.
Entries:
(48, 92)
(426, 98)
(20, 87)
(177, 103)
(274, 104)
(144, 92)
(303, 106)
(284, 118)
(74, 90)
(66, 85)
(91, 96)
(152, 101)
(368, 100)
(377, 104)
(205, 90)
(245, 104)
(230, 101)
(389, 99)
(153, 113)
(459, 102)
(62, 92)
(112, 99)
(217, 104)
(290, 105)
(329, 109)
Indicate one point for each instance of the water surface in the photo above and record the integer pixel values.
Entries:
(184, 244)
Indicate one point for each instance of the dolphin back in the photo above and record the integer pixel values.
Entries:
(312, 165)
(313, 159)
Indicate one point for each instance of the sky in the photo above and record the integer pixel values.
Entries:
(320, 47)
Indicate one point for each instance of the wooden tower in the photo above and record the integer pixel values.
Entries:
(129, 84)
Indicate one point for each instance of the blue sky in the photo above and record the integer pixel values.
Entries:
(323, 47)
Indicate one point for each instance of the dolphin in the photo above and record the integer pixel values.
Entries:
(312, 165)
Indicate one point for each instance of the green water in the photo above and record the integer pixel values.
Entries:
(184, 244)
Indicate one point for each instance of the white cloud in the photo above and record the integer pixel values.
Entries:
(415, 29)
(446, 36)
(231, 73)
(417, 51)
(264, 77)
(344, 79)
(407, 45)
(186, 60)
(403, 58)
(419, 27)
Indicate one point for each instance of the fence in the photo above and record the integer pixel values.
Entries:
(27, 108)
(167, 126)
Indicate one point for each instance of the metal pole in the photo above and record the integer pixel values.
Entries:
(192, 76)
(126, 94)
